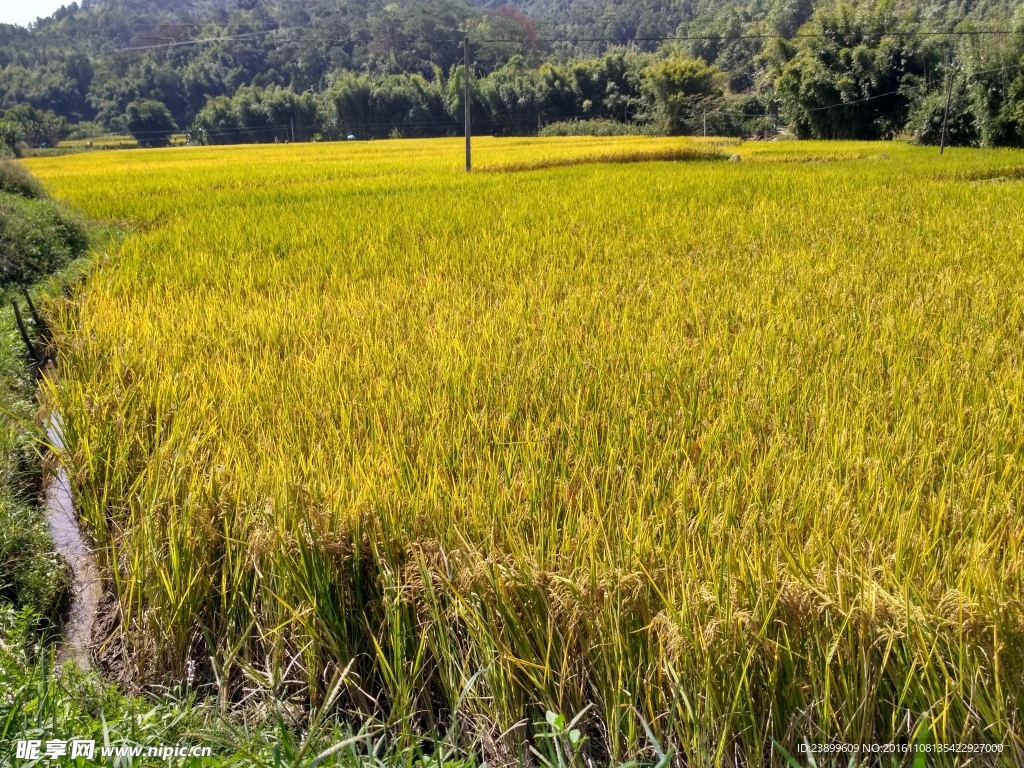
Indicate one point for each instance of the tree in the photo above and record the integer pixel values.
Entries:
(730, 42)
(843, 78)
(150, 123)
(347, 106)
(1007, 128)
(217, 123)
(38, 128)
(11, 136)
(259, 115)
(513, 97)
(683, 89)
(961, 127)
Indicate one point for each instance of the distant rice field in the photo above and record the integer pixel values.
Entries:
(729, 451)
(113, 141)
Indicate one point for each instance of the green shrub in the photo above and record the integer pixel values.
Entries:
(596, 127)
(962, 127)
(86, 130)
(16, 180)
(37, 237)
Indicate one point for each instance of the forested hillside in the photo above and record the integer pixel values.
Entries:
(277, 70)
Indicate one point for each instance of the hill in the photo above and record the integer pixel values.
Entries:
(208, 66)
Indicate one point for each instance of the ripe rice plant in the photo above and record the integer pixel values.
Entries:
(726, 451)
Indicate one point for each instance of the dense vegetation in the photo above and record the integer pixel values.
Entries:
(726, 450)
(37, 239)
(281, 70)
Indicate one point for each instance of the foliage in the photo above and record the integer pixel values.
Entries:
(595, 127)
(85, 131)
(730, 40)
(961, 125)
(375, 107)
(844, 79)
(686, 442)
(514, 99)
(684, 90)
(11, 139)
(41, 701)
(30, 573)
(15, 180)
(31, 576)
(374, 69)
(257, 115)
(37, 237)
(35, 127)
(150, 123)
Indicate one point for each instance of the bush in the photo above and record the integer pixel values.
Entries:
(86, 130)
(595, 127)
(15, 180)
(37, 237)
(33, 127)
(684, 91)
(961, 128)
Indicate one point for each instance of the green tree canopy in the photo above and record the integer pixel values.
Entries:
(684, 89)
(844, 77)
(150, 123)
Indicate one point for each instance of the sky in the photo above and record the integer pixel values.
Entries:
(25, 11)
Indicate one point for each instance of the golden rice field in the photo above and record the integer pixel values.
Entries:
(733, 450)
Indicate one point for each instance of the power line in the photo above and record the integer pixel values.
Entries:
(899, 91)
(533, 40)
(453, 123)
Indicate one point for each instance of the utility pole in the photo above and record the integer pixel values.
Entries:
(705, 122)
(945, 114)
(469, 153)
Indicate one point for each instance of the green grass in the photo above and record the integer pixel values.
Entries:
(39, 701)
(38, 239)
(31, 576)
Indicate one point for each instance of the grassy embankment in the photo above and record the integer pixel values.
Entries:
(729, 449)
(37, 238)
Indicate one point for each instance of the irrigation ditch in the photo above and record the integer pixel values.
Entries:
(86, 588)
(73, 547)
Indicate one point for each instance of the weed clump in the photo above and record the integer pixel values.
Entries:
(15, 180)
(37, 238)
